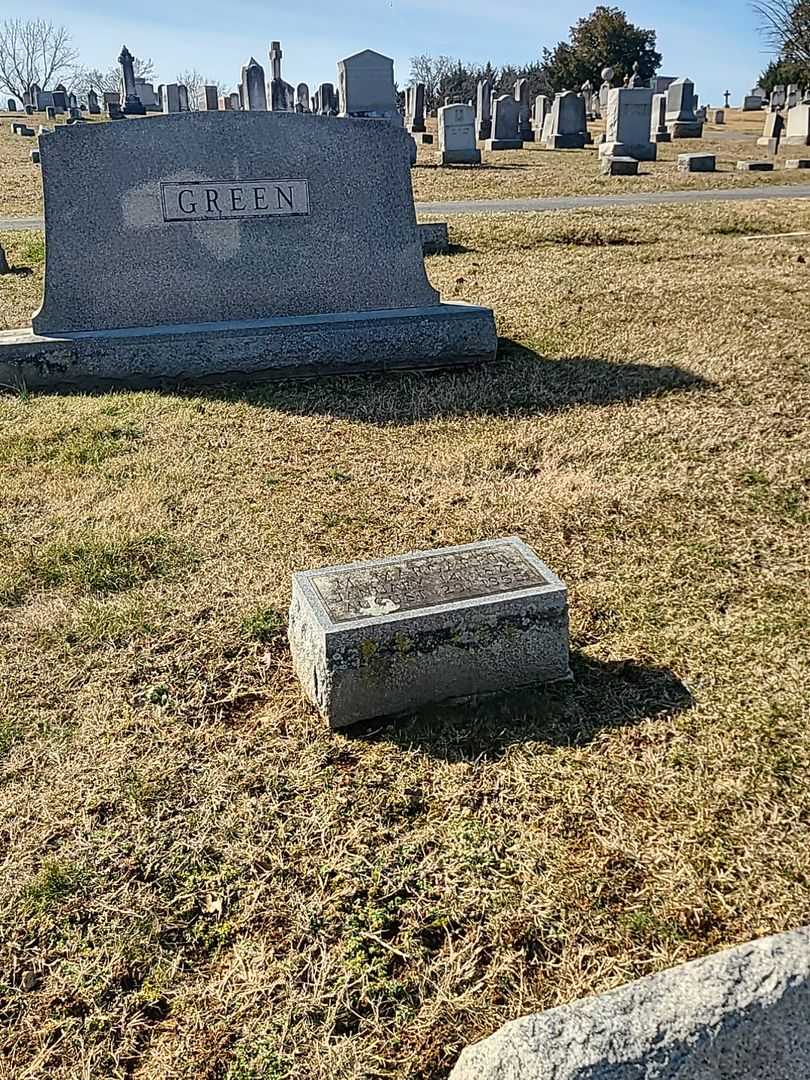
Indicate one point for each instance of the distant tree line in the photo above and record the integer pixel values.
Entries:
(604, 38)
(785, 25)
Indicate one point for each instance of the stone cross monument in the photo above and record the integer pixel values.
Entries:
(133, 106)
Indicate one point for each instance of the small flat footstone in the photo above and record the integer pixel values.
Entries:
(754, 166)
(389, 636)
(618, 166)
(697, 162)
(797, 163)
(434, 237)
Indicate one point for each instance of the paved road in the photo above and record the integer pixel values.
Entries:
(642, 198)
(568, 202)
(17, 224)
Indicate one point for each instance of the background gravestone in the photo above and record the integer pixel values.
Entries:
(171, 98)
(483, 110)
(366, 85)
(525, 133)
(457, 136)
(568, 129)
(681, 120)
(629, 118)
(254, 90)
(797, 131)
(659, 132)
(504, 125)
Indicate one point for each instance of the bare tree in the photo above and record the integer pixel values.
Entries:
(33, 52)
(433, 71)
(195, 83)
(108, 81)
(785, 25)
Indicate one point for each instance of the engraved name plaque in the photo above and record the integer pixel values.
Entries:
(424, 582)
(220, 200)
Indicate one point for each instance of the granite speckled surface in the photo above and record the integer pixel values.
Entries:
(741, 1014)
(442, 335)
(392, 635)
(112, 261)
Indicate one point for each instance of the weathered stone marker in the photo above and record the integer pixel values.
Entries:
(697, 163)
(568, 128)
(618, 166)
(457, 136)
(236, 210)
(629, 119)
(681, 120)
(384, 637)
(504, 125)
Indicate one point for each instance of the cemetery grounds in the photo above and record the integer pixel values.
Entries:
(197, 879)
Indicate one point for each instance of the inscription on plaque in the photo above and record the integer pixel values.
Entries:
(218, 200)
(424, 582)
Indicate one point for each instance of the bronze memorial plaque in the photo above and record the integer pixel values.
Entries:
(424, 582)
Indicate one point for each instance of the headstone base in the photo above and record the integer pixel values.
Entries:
(423, 138)
(797, 163)
(754, 166)
(796, 140)
(574, 141)
(447, 335)
(458, 157)
(697, 163)
(618, 166)
(133, 107)
(639, 151)
(503, 144)
(527, 135)
(685, 129)
(661, 136)
(394, 635)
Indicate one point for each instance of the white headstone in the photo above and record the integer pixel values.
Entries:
(627, 132)
(457, 136)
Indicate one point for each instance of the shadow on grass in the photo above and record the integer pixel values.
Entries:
(451, 249)
(604, 695)
(519, 381)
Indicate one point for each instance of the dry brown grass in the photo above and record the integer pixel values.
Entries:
(21, 186)
(203, 881)
(537, 172)
(505, 175)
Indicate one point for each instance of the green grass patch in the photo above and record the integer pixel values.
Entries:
(56, 880)
(32, 249)
(264, 624)
(77, 445)
(95, 564)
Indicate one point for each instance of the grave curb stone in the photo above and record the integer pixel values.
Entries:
(754, 166)
(493, 637)
(740, 1014)
(797, 163)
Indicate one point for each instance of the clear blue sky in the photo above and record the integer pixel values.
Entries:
(714, 42)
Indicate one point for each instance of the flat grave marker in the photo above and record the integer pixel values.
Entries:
(383, 637)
